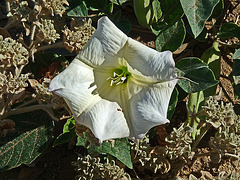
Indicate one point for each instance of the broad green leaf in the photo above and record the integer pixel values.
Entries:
(120, 149)
(198, 72)
(229, 30)
(172, 37)
(77, 8)
(197, 12)
(34, 134)
(68, 133)
(218, 10)
(117, 16)
(202, 37)
(236, 71)
(212, 57)
(172, 103)
(143, 12)
(172, 11)
(124, 25)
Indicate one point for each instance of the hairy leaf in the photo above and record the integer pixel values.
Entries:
(172, 37)
(198, 72)
(197, 12)
(35, 135)
(172, 11)
(120, 149)
(229, 30)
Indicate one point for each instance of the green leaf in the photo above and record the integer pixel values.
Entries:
(198, 72)
(229, 30)
(156, 8)
(171, 38)
(77, 8)
(172, 11)
(197, 12)
(124, 25)
(69, 125)
(68, 133)
(117, 16)
(81, 141)
(108, 9)
(120, 149)
(172, 103)
(33, 135)
(202, 37)
(218, 10)
(95, 4)
(118, 2)
(236, 71)
(212, 57)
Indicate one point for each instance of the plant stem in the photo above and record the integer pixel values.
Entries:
(26, 103)
(201, 135)
(28, 109)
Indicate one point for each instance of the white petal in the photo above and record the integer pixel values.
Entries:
(149, 107)
(74, 85)
(106, 41)
(151, 63)
(106, 120)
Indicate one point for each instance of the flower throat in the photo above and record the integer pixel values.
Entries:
(120, 76)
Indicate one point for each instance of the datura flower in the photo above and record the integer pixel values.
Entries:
(117, 86)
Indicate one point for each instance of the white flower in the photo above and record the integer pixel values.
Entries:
(116, 86)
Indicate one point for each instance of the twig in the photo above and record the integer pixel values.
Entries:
(201, 136)
(27, 103)
(28, 109)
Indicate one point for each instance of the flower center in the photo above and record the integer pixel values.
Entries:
(120, 76)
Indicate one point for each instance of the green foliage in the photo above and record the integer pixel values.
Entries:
(172, 103)
(198, 72)
(23, 147)
(171, 37)
(67, 134)
(118, 148)
(229, 30)
(172, 11)
(77, 8)
(212, 57)
(118, 2)
(197, 13)
(147, 11)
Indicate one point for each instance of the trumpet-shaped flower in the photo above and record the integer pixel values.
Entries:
(116, 86)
